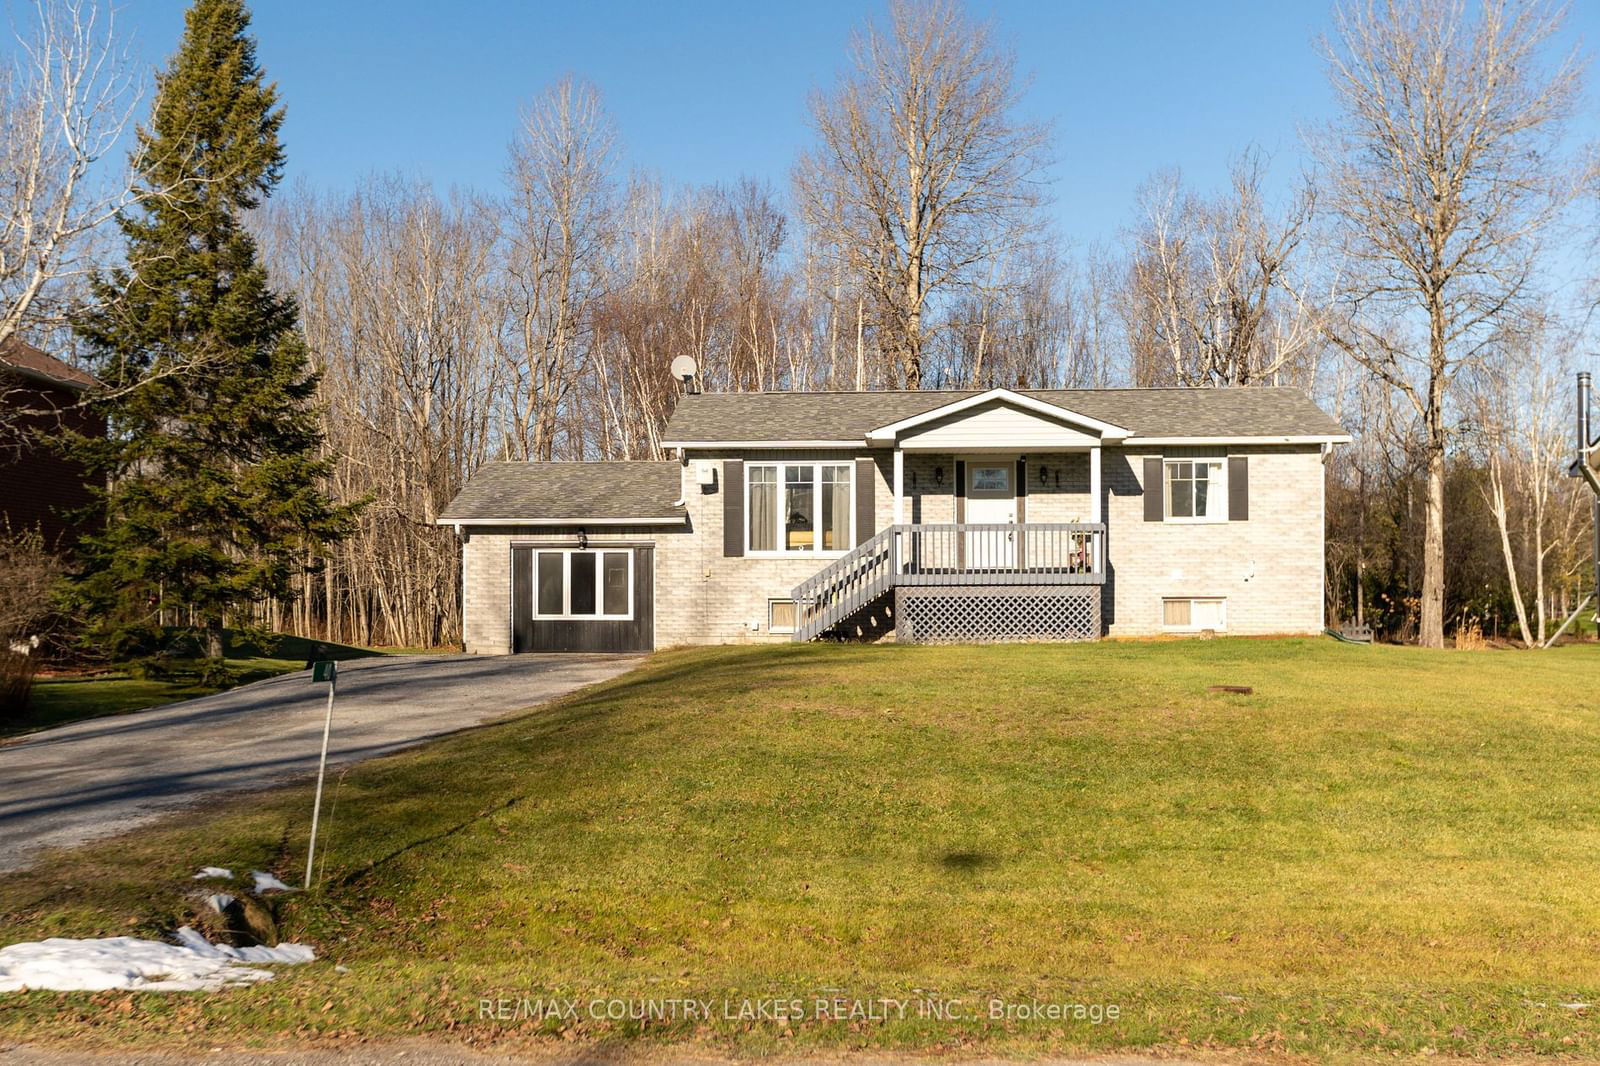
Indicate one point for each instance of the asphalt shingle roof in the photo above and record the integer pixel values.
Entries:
(36, 364)
(550, 491)
(850, 416)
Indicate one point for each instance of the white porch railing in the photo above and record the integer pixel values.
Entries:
(949, 553)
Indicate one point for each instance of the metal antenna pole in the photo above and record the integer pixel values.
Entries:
(322, 770)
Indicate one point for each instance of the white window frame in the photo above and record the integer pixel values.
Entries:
(1222, 614)
(773, 628)
(566, 614)
(782, 466)
(1217, 492)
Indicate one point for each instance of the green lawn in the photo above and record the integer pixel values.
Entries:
(1382, 850)
(71, 699)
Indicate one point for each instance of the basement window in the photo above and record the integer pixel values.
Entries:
(1193, 615)
(780, 616)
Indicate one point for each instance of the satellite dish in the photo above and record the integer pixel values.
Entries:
(684, 368)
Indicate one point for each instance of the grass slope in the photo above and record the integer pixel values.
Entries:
(1382, 850)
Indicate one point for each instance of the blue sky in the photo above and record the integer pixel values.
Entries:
(710, 91)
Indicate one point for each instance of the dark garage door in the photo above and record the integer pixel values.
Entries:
(600, 598)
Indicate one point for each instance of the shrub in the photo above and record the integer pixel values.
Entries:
(183, 670)
(27, 613)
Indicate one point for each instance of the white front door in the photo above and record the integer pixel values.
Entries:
(991, 499)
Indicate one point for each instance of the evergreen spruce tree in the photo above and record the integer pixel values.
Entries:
(212, 500)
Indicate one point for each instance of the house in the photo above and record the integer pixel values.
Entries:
(39, 488)
(939, 516)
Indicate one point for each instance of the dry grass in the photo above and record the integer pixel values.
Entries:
(1380, 850)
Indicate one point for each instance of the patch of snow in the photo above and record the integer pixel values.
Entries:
(218, 901)
(193, 964)
(208, 872)
(265, 882)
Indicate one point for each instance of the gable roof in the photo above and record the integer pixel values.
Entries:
(778, 418)
(887, 433)
(612, 493)
(34, 364)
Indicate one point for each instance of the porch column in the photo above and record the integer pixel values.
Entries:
(899, 486)
(1095, 514)
(899, 503)
(1094, 484)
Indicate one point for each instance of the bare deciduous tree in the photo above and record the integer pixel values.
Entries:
(1441, 172)
(560, 228)
(1210, 280)
(65, 99)
(398, 306)
(1519, 415)
(922, 172)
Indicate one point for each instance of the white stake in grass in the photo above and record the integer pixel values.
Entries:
(325, 670)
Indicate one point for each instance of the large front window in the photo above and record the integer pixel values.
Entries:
(584, 584)
(1196, 490)
(799, 507)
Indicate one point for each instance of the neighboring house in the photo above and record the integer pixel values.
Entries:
(941, 516)
(39, 489)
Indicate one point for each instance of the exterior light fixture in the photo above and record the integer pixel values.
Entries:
(583, 539)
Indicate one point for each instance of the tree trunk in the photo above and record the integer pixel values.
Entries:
(1431, 631)
(1497, 505)
(214, 648)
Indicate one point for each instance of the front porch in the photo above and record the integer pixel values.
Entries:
(1023, 556)
(942, 582)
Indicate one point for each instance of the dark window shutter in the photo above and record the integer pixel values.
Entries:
(866, 504)
(1238, 488)
(961, 491)
(733, 507)
(1022, 490)
(1154, 505)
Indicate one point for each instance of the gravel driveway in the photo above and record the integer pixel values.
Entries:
(92, 779)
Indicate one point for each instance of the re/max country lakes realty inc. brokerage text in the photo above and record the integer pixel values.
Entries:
(785, 1009)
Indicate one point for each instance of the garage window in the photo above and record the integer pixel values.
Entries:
(573, 583)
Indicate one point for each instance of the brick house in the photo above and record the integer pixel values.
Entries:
(939, 516)
(39, 489)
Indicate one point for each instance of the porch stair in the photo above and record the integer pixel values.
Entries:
(847, 586)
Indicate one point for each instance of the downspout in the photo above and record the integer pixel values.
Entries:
(1585, 442)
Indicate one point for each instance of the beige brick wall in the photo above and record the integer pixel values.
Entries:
(1269, 568)
(727, 597)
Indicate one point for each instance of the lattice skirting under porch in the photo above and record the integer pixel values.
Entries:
(996, 613)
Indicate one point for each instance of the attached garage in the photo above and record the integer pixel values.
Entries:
(562, 556)
(592, 598)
